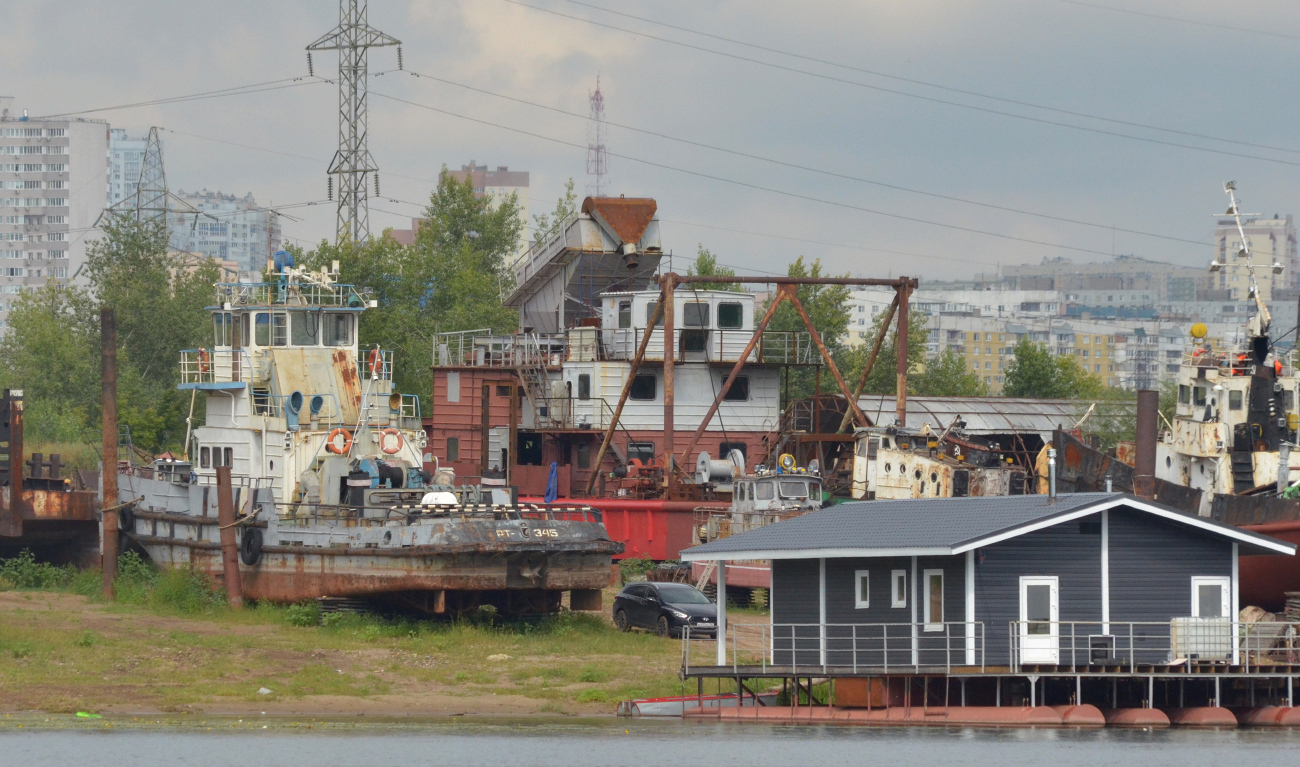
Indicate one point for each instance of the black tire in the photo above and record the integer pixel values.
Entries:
(662, 628)
(250, 548)
(126, 518)
(621, 622)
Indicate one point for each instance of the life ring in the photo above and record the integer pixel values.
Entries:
(384, 444)
(332, 445)
(204, 359)
(376, 361)
(250, 546)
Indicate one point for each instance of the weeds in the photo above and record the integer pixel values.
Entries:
(175, 589)
(87, 639)
(303, 614)
(24, 572)
(634, 569)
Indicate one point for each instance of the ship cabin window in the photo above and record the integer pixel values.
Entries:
(625, 314)
(1184, 394)
(695, 314)
(1234, 399)
(794, 489)
(205, 458)
(302, 328)
(245, 328)
(1198, 395)
(584, 386)
(644, 387)
(338, 329)
(584, 455)
(221, 326)
(739, 391)
(764, 491)
(262, 329)
(453, 448)
(650, 312)
(642, 451)
(228, 456)
(731, 315)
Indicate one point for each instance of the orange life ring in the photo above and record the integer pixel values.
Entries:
(376, 361)
(332, 445)
(204, 359)
(383, 441)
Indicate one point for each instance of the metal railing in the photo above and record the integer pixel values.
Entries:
(812, 648)
(288, 293)
(711, 345)
(378, 516)
(483, 348)
(200, 366)
(1181, 642)
(383, 365)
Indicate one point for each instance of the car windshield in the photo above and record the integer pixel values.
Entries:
(682, 595)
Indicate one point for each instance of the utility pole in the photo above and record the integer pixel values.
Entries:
(353, 38)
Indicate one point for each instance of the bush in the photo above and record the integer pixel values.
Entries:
(176, 589)
(24, 572)
(303, 614)
(592, 696)
(634, 569)
(86, 639)
(592, 674)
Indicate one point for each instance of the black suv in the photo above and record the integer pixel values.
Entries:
(665, 608)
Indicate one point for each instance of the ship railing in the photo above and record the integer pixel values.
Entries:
(483, 348)
(375, 364)
(239, 294)
(211, 366)
(378, 410)
(1182, 643)
(726, 523)
(1228, 362)
(378, 516)
(712, 345)
(816, 648)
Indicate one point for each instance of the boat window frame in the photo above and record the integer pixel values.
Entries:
(695, 314)
(1236, 399)
(727, 307)
(314, 330)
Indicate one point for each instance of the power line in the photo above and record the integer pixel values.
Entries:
(748, 185)
(1182, 20)
(913, 81)
(810, 169)
(220, 93)
(931, 99)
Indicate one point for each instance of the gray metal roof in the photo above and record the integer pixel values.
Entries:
(983, 415)
(939, 526)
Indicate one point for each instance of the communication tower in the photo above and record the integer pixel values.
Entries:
(596, 166)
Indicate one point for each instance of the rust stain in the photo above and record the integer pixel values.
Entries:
(628, 217)
(347, 368)
(54, 505)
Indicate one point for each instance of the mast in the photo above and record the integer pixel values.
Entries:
(1258, 328)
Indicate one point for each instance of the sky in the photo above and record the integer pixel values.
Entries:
(873, 93)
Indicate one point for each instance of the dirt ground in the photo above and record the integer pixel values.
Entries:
(61, 653)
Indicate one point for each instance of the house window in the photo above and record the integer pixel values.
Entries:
(898, 588)
(862, 589)
(732, 315)
(205, 458)
(1210, 596)
(453, 448)
(625, 314)
(584, 386)
(739, 391)
(1234, 400)
(643, 387)
(934, 600)
(642, 451)
(695, 314)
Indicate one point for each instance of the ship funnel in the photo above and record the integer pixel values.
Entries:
(1144, 471)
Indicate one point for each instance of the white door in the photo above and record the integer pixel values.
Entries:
(1039, 616)
(1210, 596)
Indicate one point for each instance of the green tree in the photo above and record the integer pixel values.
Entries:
(946, 375)
(884, 374)
(706, 265)
(828, 310)
(1035, 371)
(565, 206)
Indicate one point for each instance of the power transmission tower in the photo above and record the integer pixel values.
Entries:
(353, 38)
(596, 167)
(151, 201)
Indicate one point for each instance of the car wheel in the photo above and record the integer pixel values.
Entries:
(661, 628)
(620, 620)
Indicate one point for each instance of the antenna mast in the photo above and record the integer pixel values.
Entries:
(1260, 324)
(596, 167)
(353, 38)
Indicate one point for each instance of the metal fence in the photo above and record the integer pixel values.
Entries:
(1182, 642)
(200, 366)
(812, 648)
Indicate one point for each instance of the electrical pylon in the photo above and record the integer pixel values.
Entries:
(352, 163)
(596, 167)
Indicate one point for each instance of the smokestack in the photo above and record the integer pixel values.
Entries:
(1148, 415)
(1051, 472)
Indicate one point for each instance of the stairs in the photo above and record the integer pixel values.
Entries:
(530, 365)
(1243, 471)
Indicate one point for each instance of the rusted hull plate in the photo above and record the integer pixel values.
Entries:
(1084, 470)
(54, 505)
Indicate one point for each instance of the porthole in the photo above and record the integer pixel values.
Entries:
(902, 468)
(272, 465)
(917, 473)
(1169, 461)
(887, 468)
(1202, 470)
(934, 477)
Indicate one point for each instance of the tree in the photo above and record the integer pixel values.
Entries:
(706, 265)
(565, 206)
(828, 310)
(1034, 371)
(946, 376)
(884, 374)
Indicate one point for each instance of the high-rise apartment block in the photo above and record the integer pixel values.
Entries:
(54, 179)
(1272, 241)
(228, 228)
(126, 156)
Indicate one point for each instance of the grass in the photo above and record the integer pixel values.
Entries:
(170, 641)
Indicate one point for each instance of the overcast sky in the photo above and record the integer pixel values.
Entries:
(1203, 78)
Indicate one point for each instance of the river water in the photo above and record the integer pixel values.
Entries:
(266, 742)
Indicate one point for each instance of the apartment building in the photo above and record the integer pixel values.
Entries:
(232, 228)
(1272, 241)
(126, 158)
(53, 187)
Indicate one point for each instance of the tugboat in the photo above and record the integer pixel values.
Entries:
(335, 494)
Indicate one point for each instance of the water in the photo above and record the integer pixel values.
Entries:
(65, 742)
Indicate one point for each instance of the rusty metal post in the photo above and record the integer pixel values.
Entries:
(1148, 415)
(783, 292)
(904, 288)
(670, 359)
(627, 389)
(830, 363)
(109, 501)
(229, 548)
(512, 457)
(871, 361)
(11, 515)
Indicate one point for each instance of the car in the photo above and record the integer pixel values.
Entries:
(666, 609)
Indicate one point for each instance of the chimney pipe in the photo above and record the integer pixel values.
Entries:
(1051, 472)
(1144, 474)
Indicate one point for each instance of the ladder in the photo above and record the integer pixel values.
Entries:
(530, 365)
(709, 569)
